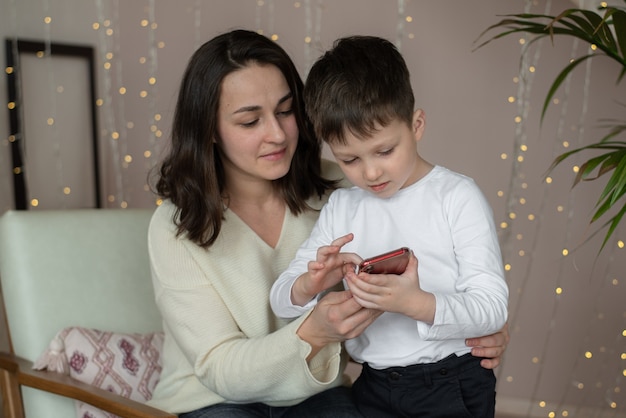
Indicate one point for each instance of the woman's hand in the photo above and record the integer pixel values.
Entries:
(336, 318)
(491, 347)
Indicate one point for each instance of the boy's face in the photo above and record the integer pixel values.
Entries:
(385, 162)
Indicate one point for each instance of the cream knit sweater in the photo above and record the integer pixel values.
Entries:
(222, 341)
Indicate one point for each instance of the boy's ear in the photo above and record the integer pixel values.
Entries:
(419, 123)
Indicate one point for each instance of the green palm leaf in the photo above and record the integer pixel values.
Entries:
(606, 34)
(559, 80)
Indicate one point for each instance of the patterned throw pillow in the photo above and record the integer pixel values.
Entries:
(126, 364)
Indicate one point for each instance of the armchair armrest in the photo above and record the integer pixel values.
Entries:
(16, 372)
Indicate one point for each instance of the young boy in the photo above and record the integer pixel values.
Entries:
(415, 362)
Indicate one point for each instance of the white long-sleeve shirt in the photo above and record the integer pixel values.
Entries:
(447, 222)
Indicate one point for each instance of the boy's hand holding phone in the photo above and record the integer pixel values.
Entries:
(325, 272)
(400, 293)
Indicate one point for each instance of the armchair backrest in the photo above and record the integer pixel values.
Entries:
(61, 268)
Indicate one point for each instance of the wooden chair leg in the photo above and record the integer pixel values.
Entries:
(11, 395)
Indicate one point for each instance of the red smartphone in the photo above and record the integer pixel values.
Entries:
(392, 262)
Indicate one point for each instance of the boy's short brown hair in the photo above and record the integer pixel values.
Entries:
(361, 83)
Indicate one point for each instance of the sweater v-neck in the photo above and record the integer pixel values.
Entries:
(251, 231)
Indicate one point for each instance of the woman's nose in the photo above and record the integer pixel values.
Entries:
(274, 130)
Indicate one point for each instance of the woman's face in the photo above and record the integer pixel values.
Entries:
(257, 128)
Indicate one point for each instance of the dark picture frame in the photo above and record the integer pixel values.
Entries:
(83, 170)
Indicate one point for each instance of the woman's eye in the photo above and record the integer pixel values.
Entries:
(249, 124)
(287, 112)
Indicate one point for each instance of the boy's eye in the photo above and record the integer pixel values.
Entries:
(348, 161)
(386, 152)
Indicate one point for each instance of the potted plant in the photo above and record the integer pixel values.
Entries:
(605, 33)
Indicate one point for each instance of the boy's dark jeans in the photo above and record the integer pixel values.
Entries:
(454, 387)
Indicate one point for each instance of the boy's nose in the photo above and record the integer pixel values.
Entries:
(372, 172)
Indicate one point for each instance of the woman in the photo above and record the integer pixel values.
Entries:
(242, 186)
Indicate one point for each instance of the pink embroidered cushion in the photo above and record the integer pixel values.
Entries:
(126, 364)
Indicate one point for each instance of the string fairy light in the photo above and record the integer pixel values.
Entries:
(524, 89)
(105, 102)
(257, 16)
(119, 132)
(46, 55)
(270, 18)
(313, 31)
(586, 342)
(560, 406)
(197, 23)
(317, 31)
(154, 117)
(572, 194)
(524, 82)
(400, 24)
(308, 37)
(566, 238)
(514, 199)
(53, 132)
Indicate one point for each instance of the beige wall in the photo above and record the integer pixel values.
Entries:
(470, 126)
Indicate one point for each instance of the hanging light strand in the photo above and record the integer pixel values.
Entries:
(257, 15)
(533, 250)
(516, 183)
(584, 344)
(107, 107)
(308, 37)
(270, 17)
(319, 13)
(120, 125)
(52, 116)
(566, 239)
(197, 23)
(153, 90)
(17, 138)
(400, 24)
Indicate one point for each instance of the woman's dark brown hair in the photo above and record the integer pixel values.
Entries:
(192, 174)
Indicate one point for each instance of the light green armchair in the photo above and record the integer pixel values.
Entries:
(86, 268)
